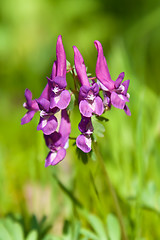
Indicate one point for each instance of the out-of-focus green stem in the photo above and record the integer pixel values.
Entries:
(112, 190)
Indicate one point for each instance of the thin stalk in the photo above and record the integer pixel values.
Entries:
(112, 191)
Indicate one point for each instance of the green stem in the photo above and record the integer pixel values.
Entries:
(113, 193)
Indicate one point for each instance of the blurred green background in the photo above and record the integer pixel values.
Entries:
(130, 34)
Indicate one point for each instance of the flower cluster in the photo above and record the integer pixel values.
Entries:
(56, 98)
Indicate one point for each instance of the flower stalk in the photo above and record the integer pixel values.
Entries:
(112, 191)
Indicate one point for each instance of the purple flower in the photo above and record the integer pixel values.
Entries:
(48, 122)
(115, 92)
(57, 142)
(59, 97)
(89, 100)
(83, 141)
(31, 106)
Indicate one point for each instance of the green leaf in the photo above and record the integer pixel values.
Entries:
(96, 224)
(69, 66)
(102, 119)
(99, 129)
(33, 235)
(4, 234)
(113, 227)
(68, 192)
(14, 228)
(72, 102)
(88, 234)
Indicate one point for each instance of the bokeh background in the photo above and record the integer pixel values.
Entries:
(130, 34)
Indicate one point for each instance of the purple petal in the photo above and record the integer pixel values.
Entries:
(95, 89)
(60, 81)
(85, 108)
(119, 80)
(99, 108)
(46, 92)
(80, 67)
(44, 104)
(54, 158)
(118, 100)
(102, 71)
(126, 85)
(61, 58)
(48, 126)
(28, 96)
(52, 139)
(54, 70)
(84, 143)
(127, 111)
(85, 125)
(54, 99)
(65, 127)
(83, 92)
(64, 100)
(27, 117)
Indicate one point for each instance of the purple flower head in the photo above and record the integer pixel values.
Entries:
(31, 106)
(57, 142)
(83, 141)
(85, 126)
(89, 100)
(115, 92)
(59, 97)
(48, 122)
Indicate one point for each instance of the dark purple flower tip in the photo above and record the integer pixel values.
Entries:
(119, 80)
(85, 108)
(126, 85)
(118, 100)
(85, 126)
(55, 157)
(58, 81)
(80, 67)
(127, 111)
(43, 104)
(52, 139)
(95, 89)
(102, 71)
(47, 124)
(84, 143)
(27, 117)
(61, 58)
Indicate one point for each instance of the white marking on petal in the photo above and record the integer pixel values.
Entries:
(102, 86)
(44, 122)
(56, 99)
(43, 114)
(121, 88)
(128, 95)
(24, 105)
(52, 156)
(121, 96)
(66, 145)
(56, 89)
(88, 141)
(92, 105)
(90, 97)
